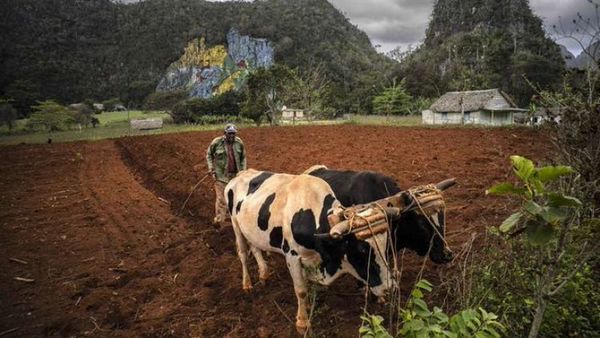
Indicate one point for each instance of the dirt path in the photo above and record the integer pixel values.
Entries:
(109, 258)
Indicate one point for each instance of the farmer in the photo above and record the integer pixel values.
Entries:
(225, 157)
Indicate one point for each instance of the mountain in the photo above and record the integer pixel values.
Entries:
(72, 50)
(569, 58)
(589, 57)
(478, 44)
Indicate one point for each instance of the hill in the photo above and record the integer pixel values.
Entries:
(72, 50)
(475, 44)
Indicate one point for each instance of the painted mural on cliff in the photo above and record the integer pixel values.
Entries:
(204, 72)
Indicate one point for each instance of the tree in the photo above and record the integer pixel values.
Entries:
(8, 114)
(393, 101)
(582, 31)
(268, 90)
(311, 90)
(81, 114)
(24, 94)
(51, 116)
(549, 219)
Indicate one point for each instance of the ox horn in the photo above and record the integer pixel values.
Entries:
(445, 184)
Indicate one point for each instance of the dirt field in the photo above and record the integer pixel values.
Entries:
(97, 224)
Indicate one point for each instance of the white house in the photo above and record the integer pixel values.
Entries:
(292, 114)
(487, 107)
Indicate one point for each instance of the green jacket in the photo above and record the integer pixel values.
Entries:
(216, 157)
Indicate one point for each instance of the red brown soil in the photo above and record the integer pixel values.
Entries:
(109, 258)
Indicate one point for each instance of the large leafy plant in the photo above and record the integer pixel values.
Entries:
(550, 219)
(420, 321)
(542, 210)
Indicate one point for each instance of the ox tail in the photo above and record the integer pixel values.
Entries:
(314, 168)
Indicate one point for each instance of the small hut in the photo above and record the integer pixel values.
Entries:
(292, 114)
(488, 107)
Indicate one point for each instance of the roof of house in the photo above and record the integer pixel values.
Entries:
(473, 100)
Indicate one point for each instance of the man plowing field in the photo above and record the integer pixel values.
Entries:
(225, 157)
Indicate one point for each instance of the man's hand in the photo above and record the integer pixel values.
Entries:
(212, 173)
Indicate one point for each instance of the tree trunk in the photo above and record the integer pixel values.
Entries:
(537, 318)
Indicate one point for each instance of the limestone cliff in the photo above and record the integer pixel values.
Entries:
(203, 71)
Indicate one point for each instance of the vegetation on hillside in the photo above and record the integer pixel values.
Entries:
(478, 44)
(73, 50)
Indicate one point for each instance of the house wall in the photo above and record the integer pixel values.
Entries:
(476, 117)
(500, 118)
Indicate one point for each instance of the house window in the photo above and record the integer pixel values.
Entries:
(467, 116)
(445, 116)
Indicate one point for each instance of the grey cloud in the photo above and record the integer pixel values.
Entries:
(393, 23)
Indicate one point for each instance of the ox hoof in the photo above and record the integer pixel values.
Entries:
(247, 287)
(302, 326)
(264, 276)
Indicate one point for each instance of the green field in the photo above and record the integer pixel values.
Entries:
(112, 125)
(116, 124)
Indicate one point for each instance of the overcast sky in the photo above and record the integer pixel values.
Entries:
(393, 23)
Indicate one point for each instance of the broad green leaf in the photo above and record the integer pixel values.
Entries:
(424, 284)
(422, 313)
(510, 222)
(415, 325)
(523, 167)
(416, 293)
(506, 189)
(532, 207)
(550, 173)
(553, 215)
(559, 200)
(439, 315)
(420, 304)
(491, 331)
(539, 233)
(537, 185)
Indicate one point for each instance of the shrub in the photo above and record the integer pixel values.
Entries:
(111, 104)
(192, 110)
(8, 114)
(50, 116)
(419, 321)
(164, 100)
(552, 259)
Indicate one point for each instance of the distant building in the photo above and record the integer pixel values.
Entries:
(292, 114)
(487, 107)
(119, 107)
(147, 124)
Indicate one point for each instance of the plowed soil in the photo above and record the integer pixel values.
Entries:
(95, 233)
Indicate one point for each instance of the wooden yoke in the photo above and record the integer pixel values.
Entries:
(366, 220)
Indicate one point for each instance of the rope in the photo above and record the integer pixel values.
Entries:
(413, 192)
(191, 192)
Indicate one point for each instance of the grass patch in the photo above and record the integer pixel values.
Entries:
(379, 120)
(115, 117)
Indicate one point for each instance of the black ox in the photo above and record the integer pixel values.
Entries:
(410, 229)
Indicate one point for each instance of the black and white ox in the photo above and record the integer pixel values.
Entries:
(410, 229)
(282, 213)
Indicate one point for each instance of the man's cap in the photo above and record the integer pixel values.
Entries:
(230, 128)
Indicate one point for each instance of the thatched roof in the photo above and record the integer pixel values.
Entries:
(488, 99)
